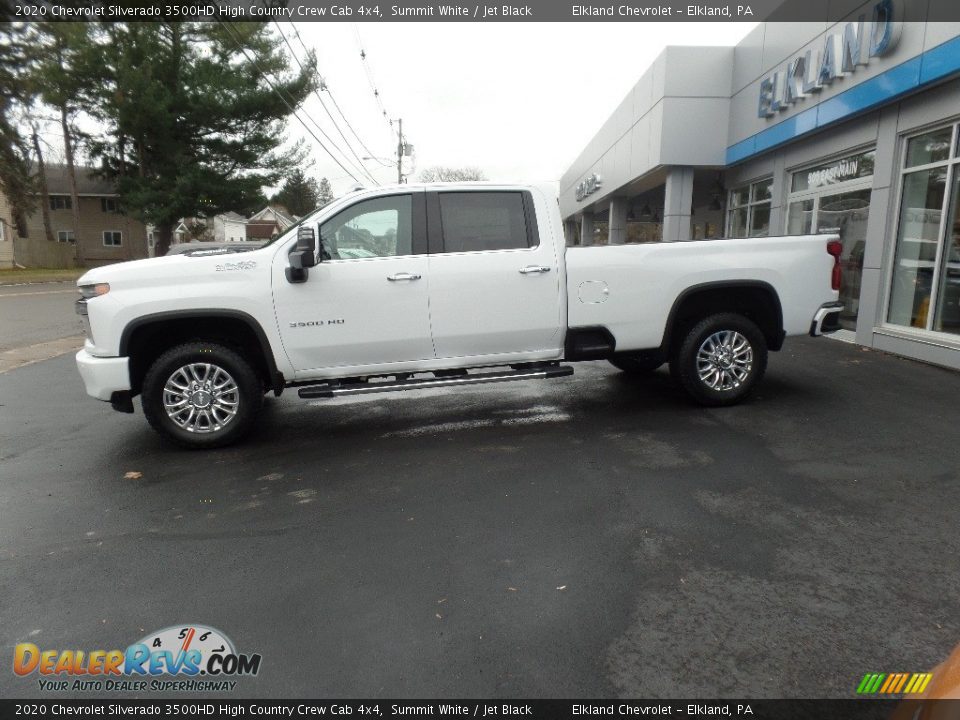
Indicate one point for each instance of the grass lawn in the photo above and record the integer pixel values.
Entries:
(35, 275)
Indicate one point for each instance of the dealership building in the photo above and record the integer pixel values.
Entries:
(848, 127)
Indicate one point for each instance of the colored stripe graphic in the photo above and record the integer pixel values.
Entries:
(894, 683)
(918, 683)
(909, 687)
(876, 683)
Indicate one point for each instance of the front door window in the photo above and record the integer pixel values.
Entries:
(380, 227)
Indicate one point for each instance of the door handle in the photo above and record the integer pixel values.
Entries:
(403, 276)
(531, 269)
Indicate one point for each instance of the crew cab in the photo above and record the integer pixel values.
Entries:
(418, 286)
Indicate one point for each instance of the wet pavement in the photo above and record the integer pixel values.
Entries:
(586, 537)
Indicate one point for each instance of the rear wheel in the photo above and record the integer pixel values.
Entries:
(201, 395)
(720, 359)
(636, 363)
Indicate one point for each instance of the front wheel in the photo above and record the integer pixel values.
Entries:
(720, 359)
(201, 395)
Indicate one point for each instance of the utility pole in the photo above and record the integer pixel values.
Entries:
(400, 152)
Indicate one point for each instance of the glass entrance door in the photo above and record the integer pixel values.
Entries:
(834, 199)
(846, 214)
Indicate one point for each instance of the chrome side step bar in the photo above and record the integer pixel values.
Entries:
(337, 389)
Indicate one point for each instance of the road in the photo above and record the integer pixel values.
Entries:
(36, 313)
(588, 537)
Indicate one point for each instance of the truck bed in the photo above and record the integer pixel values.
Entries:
(631, 289)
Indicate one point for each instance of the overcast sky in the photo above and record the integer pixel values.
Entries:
(517, 100)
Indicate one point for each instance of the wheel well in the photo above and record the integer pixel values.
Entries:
(756, 301)
(150, 339)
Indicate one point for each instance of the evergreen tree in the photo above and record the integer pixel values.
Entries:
(195, 112)
(298, 194)
(324, 193)
(15, 181)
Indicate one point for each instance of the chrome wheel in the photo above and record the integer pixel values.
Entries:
(201, 398)
(724, 360)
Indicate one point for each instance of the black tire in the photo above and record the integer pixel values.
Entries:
(728, 377)
(636, 364)
(248, 395)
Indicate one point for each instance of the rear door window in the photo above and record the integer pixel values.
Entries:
(482, 221)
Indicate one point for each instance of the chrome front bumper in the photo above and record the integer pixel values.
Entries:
(826, 320)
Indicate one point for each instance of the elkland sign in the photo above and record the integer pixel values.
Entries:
(843, 52)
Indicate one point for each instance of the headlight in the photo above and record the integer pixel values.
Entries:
(91, 291)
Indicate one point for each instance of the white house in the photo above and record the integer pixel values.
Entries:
(229, 227)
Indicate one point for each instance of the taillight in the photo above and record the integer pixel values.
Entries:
(835, 248)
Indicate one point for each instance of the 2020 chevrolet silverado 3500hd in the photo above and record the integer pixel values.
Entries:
(438, 285)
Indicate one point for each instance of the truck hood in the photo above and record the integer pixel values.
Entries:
(183, 266)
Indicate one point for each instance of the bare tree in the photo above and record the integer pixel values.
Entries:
(440, 173)
(42, 182)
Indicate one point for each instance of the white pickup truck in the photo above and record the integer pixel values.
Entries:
(419, 286)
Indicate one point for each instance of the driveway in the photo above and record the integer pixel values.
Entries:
(587, 537)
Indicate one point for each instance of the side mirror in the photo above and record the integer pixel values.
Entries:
(303, 255)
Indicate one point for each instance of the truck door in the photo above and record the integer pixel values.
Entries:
(366, 302)
(494, 286)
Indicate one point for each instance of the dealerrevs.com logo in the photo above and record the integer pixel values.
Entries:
(182, 658)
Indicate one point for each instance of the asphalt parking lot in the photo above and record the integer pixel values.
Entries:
(587, 537)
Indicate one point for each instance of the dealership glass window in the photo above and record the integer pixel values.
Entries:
(601, 233)
(925, 278)
(947, 315)
(800, 217)
(930, 148)
(643, 232)
(834, 198)
(836, 172)
(65, 236)
(748, 213)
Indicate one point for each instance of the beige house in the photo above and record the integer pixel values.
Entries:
(7, 233)
(107, 234)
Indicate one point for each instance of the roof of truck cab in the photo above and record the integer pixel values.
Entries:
(446, 186)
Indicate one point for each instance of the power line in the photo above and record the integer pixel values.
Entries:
(325, 108)
(336, 105)
(369, 72)
(362, 144)
(285, 102)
